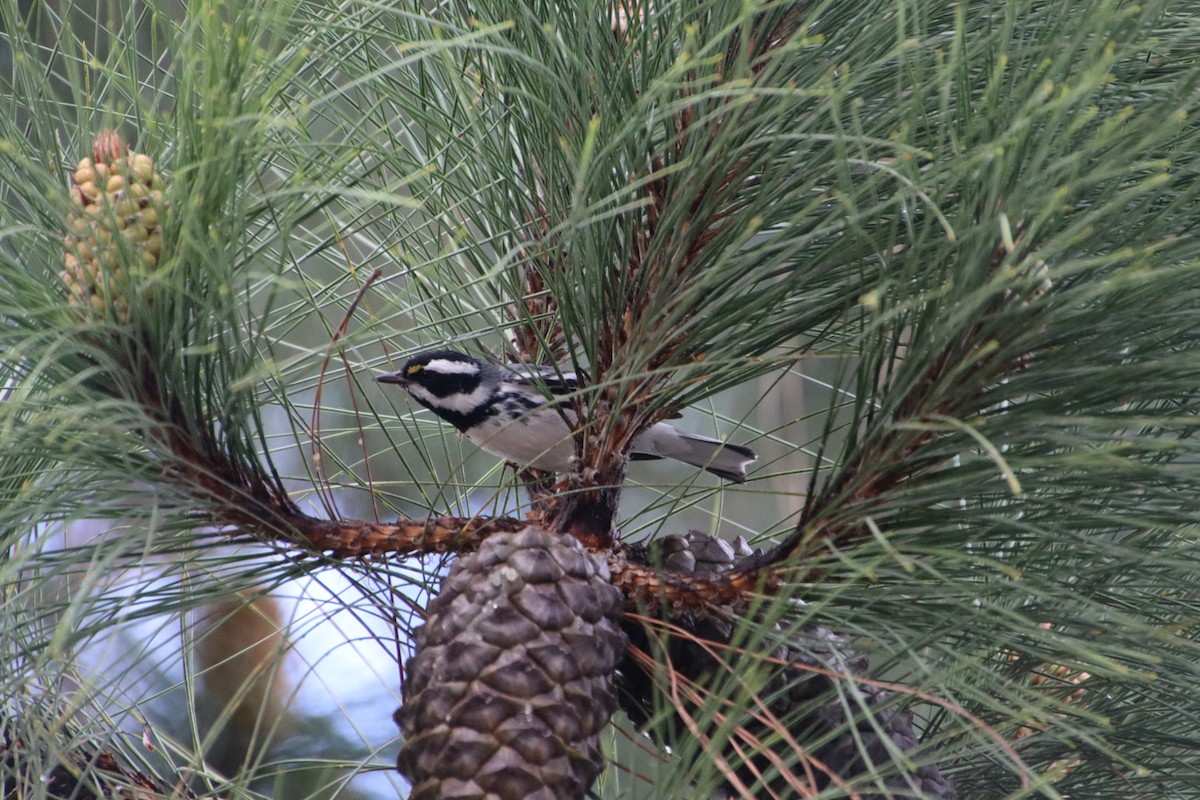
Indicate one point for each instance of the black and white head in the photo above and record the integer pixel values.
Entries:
(455, 386)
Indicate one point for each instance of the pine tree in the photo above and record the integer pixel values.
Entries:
(934, 262)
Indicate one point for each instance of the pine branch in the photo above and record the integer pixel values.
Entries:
(782, 730)
(247, 496)
(641, 334)
(679, 208)
(250, 498)
(973, 359)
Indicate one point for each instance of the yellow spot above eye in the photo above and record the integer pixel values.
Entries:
(414, 369)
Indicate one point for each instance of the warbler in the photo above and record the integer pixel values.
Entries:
(505, 410)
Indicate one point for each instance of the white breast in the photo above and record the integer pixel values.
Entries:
(539, 439)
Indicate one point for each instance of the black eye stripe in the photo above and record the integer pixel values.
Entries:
(441, 384)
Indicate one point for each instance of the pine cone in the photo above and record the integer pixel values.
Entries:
(113, 230)
(807, 699)
(512, 680)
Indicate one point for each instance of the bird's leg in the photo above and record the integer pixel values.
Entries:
(542, 487)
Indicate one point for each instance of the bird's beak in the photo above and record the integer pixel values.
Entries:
(392, 377)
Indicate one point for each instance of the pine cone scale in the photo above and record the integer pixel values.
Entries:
(516, 675)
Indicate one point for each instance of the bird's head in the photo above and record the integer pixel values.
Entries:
(450, 384)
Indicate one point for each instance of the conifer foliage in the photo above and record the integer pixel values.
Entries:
(936, 263)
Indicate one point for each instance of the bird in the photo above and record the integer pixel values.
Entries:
(504, 410)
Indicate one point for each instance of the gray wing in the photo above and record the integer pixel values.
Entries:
(558, 382)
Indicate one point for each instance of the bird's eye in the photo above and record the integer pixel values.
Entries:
(414, 369)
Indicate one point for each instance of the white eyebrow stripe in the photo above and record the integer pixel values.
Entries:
(447, 367)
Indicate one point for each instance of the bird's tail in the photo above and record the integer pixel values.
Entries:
(720, 458)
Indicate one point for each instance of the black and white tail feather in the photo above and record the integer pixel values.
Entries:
(504, 410)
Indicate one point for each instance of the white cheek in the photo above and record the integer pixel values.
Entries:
(420, 393)
(466, 403)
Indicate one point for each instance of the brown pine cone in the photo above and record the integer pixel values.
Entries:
(512, 680)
